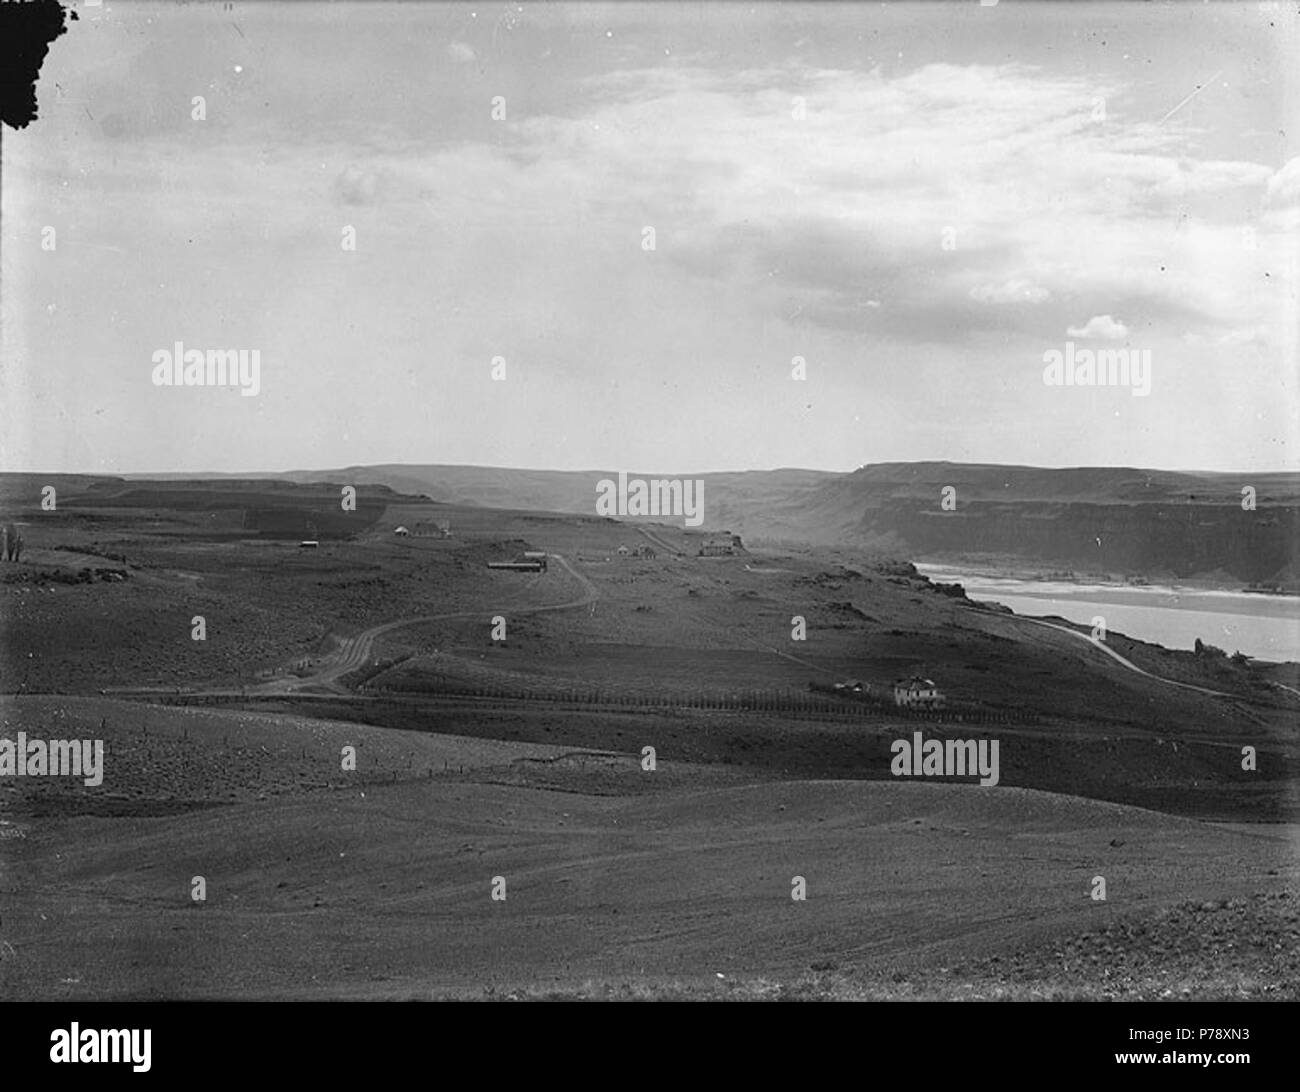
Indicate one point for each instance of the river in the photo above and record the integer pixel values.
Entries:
(1266, 627)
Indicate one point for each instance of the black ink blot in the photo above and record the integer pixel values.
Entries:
(26, 30)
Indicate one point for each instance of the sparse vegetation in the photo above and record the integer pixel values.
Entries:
(469, 747)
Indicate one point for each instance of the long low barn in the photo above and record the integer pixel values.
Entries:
(517, 566)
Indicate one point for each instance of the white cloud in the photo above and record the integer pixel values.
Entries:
(1015, 290)
(1247, 336)
(1007, 155)
(1284, 186)
(1215, 176)
(461, 53)
(1099, 326)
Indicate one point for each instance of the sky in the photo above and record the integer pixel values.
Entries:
(908, 205)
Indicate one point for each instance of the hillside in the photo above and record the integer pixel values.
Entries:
(524, 758)
(376, 884)
(1122, 520)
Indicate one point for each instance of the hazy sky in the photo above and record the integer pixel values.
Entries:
(802, 168)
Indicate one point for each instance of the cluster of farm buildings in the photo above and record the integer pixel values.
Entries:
(914, 692)
(910, 693)
(724, 544)
(719, 544)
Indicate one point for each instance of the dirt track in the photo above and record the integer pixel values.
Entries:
(355, 651)
(1101, 646)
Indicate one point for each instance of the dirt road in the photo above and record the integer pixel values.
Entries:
(660, 543)
(356, 651)
(1101, 646)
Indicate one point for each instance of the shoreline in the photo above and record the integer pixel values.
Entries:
(1148, 612)
(985, 570)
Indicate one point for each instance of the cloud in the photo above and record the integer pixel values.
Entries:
(1045, 204)
(1180, 179)
(1099, 326)
(357, 185)
(1248, 336)
(1015, 290)
(1284, 186)
(1047, 207)
(775, 235)
(461, 53)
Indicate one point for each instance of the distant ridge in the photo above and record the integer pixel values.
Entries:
(1109, 519)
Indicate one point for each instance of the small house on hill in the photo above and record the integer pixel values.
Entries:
(917, 692)
(402, 531)
(623, 551)
(721, 544)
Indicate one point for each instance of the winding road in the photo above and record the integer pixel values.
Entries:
(355, 651)
(1101, 646)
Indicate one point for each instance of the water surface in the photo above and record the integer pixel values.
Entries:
(1263, 626)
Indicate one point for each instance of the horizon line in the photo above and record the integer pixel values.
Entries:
(148, 474)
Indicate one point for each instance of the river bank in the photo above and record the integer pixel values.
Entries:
(1175, 615)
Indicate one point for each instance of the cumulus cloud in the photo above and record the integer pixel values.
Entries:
(1102, 327)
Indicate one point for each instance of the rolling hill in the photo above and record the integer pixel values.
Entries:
(1154, 523)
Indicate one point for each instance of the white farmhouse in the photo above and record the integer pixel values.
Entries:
(917, 692)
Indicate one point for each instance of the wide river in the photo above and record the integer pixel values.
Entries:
(1266, 627)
